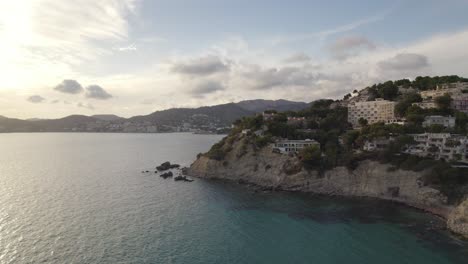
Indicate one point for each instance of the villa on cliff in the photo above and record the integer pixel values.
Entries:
(444, 146)
(286, 146)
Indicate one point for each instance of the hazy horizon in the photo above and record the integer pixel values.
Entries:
(133, 57)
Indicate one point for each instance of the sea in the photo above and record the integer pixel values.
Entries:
(87, 198)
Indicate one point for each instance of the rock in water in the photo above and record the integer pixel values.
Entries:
(166, 166)
(182, 178)
(166, 175)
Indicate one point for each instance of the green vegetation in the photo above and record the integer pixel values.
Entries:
(430, 83)
(402, 106)
(443, 102)
(326, 122)
(387, 90)
(311, 156)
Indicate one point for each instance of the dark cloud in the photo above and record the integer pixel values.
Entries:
(347, 46)
(405, 61)
(36, 99)
(263, 79)
(69, 86)
(202, 66)
(298, 57)
(55, 101)
(87, 106)
(97, 92)
(207, 87)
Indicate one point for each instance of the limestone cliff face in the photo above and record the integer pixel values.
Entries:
(458, 219)
(370, 179)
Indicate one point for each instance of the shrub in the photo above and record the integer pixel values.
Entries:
(311, 155)
(262, 141)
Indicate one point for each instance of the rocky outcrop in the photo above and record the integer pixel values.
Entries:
(458, 219)
(370, 179)
(167, 166)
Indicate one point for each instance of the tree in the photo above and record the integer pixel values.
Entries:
(433, 149)
(435, 128)
(311, 155)
(402, 106)
(461, 122)
(443, 102)
(388, 90)
(363, 122)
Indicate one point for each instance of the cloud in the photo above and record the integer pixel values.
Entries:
(69, 86)
(55, 101)
(267, 78)
(297, 57)
(405, 62)
(349, 46)
(131, 47)
(148, 101)
(202, 66)
(324, 34)
(36, 99)
(97, 92)
(207, 87)
(87, 106)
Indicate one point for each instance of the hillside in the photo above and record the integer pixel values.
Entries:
(107, 117)
(207, 118)
(278, 105)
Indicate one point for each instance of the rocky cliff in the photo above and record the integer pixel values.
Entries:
(245, 164)
(458, 219)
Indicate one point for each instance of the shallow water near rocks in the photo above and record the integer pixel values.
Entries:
(82, 198)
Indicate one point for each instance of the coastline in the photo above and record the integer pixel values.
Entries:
(371, 179)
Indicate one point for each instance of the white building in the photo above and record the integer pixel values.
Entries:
(379, 110)
(440, 146)
(286, 146)
(445, 121)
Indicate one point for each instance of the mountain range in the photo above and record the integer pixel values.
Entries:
(202, 118)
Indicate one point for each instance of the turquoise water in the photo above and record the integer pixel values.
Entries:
(81, 198)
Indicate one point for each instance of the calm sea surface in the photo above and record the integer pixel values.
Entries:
(82, 198)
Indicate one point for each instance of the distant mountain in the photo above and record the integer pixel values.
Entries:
(201, 118)
(107, 117)
(278, 105)
(223, 114)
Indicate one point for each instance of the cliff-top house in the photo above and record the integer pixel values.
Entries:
(286, 146)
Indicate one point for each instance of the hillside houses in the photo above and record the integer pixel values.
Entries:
(445, 121)
(444, 146)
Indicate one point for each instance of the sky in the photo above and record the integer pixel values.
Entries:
(133, 57)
